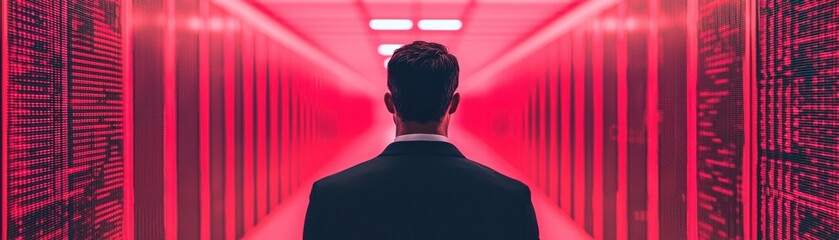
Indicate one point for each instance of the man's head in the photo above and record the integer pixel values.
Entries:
(422, 78)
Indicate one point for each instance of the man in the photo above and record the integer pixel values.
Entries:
(421, 186)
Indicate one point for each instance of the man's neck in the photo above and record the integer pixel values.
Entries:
(426, 128)
(406, 133)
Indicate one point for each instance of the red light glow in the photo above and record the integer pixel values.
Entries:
(170, 158)
(391, 24)
(211, 119)
(440, 24)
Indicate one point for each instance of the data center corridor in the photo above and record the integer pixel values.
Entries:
(211, 119)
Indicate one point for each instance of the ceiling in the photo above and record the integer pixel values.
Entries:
(340, 27)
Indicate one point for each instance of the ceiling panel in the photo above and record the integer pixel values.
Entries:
(443, 10)
(445, 1)
(391, 10)
(516, 11)
(305, 1)
(328, 27)
(528, 1)
(340, 27)
(312, 11)
(388, 1)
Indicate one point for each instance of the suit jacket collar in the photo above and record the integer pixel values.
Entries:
(422, 148)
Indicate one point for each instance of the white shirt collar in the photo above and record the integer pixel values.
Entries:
(421, 137)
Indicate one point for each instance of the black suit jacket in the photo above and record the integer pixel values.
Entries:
(420, 190)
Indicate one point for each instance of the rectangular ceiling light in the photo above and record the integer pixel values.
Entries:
(440, 24)
(391, 24)
(387, 49)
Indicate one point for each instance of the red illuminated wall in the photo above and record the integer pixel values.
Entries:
(573, 117)
(798, 91)
(634, 122)
(230, 122)
(720, 119)
(157, 120)
(63, 124)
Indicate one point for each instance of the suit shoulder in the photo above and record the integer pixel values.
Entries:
(499, 178)
(346, 176)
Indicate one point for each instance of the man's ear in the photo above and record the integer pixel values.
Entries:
(455, 102)
(389, 103)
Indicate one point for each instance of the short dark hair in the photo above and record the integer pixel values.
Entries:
(422, 77)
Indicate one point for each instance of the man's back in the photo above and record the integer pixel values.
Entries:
(420, 190)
